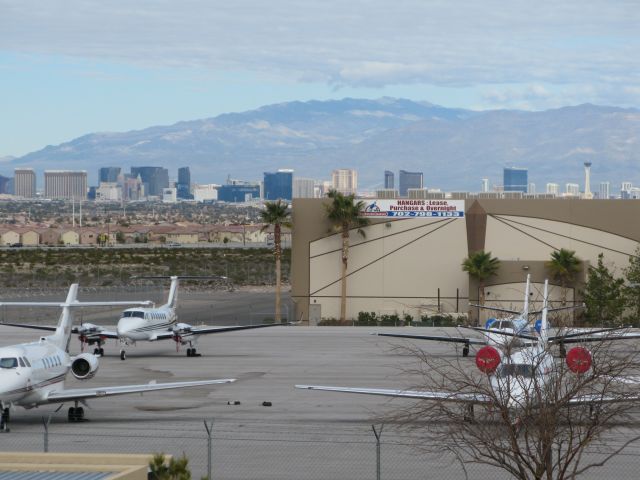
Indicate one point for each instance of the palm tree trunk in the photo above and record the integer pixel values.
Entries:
(345, 259)
(278, 254)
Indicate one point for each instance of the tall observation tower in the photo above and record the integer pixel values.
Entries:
(587, 181)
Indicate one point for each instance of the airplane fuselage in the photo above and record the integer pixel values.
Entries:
(145, 323)
(29, 371)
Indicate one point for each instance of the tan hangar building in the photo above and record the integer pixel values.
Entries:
(413, 265)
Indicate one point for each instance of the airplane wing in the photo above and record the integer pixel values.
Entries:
(418, 394)
(597, 338)
(100, 331)
(495, 309)
(598, 399)
(469, 341)
(207, 330)
(57, 396)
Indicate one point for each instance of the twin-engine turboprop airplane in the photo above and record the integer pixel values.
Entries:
(515, 378)
(142, 324)
(514, 331)
(33, 374)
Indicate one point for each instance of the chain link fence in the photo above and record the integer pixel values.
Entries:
(268, 451)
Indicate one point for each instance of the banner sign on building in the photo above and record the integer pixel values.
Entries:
(411, 208)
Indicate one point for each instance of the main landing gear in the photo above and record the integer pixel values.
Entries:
(191, 352)
(98, 351)
(465, 350)
(123, 355)
(4, 420)
(76, 414)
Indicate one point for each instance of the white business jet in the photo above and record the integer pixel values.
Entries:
(513, 377)
(513, 331)
(142, 324)
(33, 374)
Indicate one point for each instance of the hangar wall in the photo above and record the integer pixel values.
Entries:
(414, 265)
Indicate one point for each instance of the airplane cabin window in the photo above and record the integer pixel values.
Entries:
(8, 362)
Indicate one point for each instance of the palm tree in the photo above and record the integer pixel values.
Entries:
(277, 214)
(344, 214)
(563, 266)
(481, 265)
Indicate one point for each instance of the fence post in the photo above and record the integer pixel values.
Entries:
(46, 433)
(378, 434)
(209, 429)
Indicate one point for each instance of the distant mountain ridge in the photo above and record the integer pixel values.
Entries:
(453, 147)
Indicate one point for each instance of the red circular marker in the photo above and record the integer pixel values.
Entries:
(487, 359)
(579, 360)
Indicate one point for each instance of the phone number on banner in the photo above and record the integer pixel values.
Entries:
(425, 214)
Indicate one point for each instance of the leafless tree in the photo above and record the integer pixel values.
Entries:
(558, 428)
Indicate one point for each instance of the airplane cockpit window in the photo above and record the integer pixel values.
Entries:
(136, 314)
(8, 362)
(26, 360)
(515, 370)
(507, 324)
(22, 364)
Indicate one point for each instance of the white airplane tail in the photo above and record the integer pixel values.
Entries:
(544, 325)
(525, 308)
(173, 294)
(62, 334)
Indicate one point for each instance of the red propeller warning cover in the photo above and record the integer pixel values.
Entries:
(487, 359)
(579, 360)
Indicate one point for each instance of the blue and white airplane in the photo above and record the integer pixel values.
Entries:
(515, 330)
(33, 374)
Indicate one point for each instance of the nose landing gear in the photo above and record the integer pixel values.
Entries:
(4, 420)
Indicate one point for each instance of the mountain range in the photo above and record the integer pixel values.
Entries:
(454, 148)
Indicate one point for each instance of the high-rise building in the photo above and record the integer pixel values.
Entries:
(153, 178)
(587, 181)
(605, 188)
(183, 187)
(572, 189)
(65, 184)
(24, 183)
(108, 174)
(407, 180)
(531, 189)
(345, 181)
(553, 188)
(278, 185)
(388, 180)
(515, 179)
(304, 187)
(485, 185)
(238, 193)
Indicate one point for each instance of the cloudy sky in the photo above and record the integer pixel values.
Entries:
(70, 67)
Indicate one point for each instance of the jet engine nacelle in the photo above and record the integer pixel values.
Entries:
(579, 360)
(182, 328)
(84, 366)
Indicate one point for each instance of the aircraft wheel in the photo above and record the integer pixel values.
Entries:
(188, 352)
(79, 414)
(101, 352)
(71, 416)
(4, 420)
(465, 351)
(193, 352)
(123, 355)
(96, 351)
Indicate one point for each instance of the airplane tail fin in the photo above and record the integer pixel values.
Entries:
(544, 332)
(526, 297)
(173, 293)
(62, 334)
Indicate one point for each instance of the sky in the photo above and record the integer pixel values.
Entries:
(73, 67)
